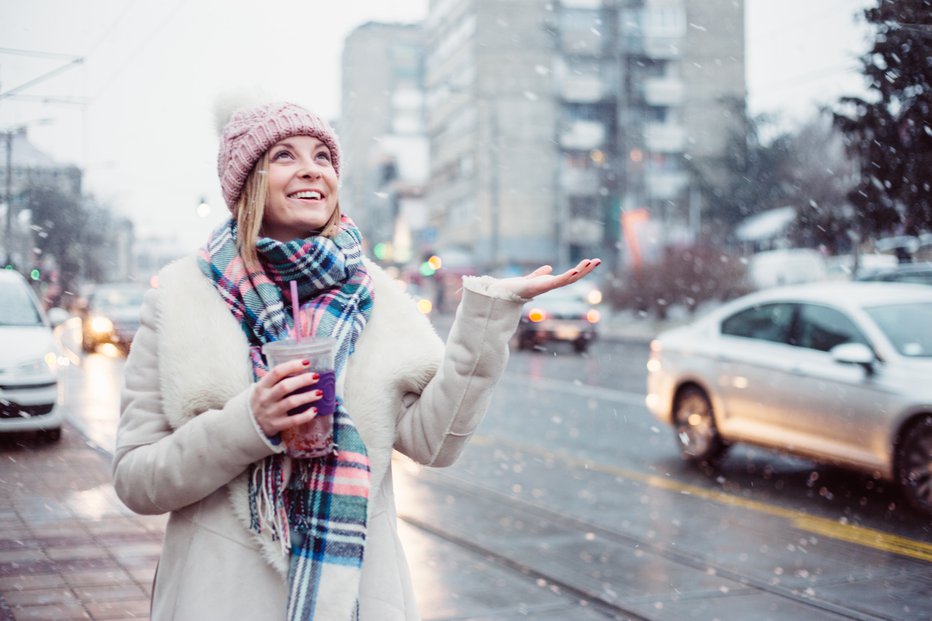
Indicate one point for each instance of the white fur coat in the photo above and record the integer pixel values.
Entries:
(186, 434)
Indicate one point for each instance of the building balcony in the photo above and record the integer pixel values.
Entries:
(663, 91)
(664, 137)
(582, 42)
(583, 89)
(579, 182)
(665, 185)
(582, 135)
(662, 48)
(584, 232)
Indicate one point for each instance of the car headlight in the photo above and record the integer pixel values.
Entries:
(594, 297)
(101, 325)
(38, 365)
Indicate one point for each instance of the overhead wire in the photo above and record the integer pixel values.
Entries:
(131, 57)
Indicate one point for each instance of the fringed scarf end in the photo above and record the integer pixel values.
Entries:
(267, 504)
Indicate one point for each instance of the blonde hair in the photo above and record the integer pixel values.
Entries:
(249, 211)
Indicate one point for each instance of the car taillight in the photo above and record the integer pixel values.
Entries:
(653, 362)
(536, 315)
(593, 316)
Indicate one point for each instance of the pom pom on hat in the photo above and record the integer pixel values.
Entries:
(250, 132)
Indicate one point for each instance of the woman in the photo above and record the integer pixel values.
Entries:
(252, 533)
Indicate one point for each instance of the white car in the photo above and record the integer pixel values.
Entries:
(838, 372)
(29, 389)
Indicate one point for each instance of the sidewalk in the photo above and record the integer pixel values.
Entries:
(68, 548)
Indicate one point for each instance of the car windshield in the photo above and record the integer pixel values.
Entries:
(116, 298)
(17, 307)
(908, 326)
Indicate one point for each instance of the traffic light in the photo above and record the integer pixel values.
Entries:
(35, 274)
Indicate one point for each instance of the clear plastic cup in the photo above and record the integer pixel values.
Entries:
(314, 438)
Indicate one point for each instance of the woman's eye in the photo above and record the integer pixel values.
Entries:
(281, 155)
(323, 155)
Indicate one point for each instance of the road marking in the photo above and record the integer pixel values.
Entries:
(851, 533)
(576, 388)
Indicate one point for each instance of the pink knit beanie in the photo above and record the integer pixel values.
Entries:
(250, 132)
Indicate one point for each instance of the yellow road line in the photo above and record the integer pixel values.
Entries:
(851, 533)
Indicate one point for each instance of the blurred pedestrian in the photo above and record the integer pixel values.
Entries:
(254, 534)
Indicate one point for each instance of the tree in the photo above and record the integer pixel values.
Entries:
(890, 131)
(751, 178)
(64, 229)
(820, 177)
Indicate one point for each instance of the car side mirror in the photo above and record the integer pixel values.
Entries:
(58, 316)
(855, 353)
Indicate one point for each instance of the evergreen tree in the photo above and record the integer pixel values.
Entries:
(890, 131)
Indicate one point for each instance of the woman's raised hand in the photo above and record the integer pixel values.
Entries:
(542, 280)
(274, 395)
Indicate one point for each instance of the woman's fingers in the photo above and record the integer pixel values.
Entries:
(542, 283)
(285, 387)
(283, 370)
(543, 270)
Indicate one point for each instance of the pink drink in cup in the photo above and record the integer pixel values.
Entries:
(315, 438)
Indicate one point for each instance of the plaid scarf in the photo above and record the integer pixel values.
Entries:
(319, 515)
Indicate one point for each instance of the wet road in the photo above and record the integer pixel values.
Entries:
(572, 497)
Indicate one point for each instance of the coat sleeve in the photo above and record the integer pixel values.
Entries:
(156, 468)
(435, 426)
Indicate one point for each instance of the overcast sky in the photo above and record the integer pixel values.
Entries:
(152, 71)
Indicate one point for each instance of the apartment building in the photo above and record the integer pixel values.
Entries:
(551, 122)
(382, 133)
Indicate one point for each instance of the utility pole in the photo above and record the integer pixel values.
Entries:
(494, 183)
(8, 197)
(72, 61)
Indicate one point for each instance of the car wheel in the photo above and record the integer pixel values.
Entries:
(694, 424)
(581, 346)
(914, 464)
(50, 435)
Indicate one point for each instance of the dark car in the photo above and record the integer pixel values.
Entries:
(916, 273)
(567, 314)
(110, 314)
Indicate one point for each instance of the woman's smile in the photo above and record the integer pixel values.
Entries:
(303, 188)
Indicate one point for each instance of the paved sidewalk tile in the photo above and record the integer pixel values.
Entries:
(68, 548)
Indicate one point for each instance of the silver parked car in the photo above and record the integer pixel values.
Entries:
(838, 372)
(29, 389)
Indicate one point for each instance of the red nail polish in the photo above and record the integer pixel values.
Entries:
(306, 362)
(319, 393)
(315, 375)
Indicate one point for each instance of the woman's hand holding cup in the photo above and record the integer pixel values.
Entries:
(277, 393)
